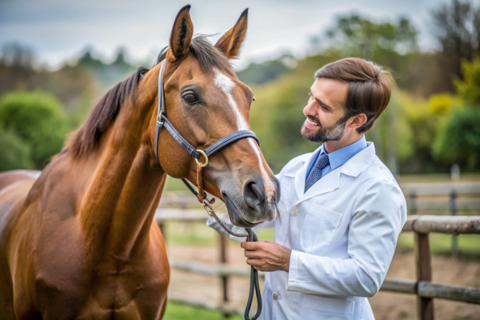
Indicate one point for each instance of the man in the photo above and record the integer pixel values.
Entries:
(341, 210)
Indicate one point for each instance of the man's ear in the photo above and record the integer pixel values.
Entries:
(231, 41)
(358, 121)
(181, 35)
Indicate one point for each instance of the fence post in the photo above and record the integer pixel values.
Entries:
(424, 273)
(161, 225)
(413, 204)
(453, 212)
(223, 259)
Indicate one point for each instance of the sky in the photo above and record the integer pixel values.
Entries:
(59, 30)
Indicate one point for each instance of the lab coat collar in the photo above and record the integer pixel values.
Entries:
(359, 162)
(331, 181)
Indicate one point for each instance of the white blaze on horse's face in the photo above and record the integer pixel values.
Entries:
(226, 84)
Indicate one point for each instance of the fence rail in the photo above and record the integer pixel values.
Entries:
(443, 224)
(432, 189)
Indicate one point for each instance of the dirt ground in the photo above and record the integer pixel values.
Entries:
(446, 270)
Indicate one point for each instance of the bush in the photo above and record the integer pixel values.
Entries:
(38, 119)
(469, 88)
(16, 154)
(458, 138)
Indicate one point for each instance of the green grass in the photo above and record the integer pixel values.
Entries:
(266, 234)
(178, 311)
(173, 184)
(442, 243)
(190, 233)
(197, 234)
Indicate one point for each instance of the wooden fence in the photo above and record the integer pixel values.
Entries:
(447, 198)
(423, 286)
(442, 197)
(425, 290)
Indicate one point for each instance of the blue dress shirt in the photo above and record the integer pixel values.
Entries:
(338, 157)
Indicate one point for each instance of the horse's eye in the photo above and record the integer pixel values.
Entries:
(190, 97)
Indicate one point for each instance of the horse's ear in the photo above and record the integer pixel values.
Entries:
(181, 35)
(231, 41)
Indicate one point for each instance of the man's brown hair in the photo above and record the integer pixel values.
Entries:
(369, 87)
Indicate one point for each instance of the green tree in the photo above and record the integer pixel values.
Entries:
(260, 73)
(16, 153)
(37, 118)
(469, 87)
(458, 32)
(358, 36)
(458, 135)
(458, 138)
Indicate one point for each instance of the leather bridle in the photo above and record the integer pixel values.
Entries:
(162, 122)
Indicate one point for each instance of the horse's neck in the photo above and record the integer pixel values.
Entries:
(118, 207)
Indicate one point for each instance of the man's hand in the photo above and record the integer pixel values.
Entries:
(267, 255)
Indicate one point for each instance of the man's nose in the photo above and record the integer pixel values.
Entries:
(309, 109)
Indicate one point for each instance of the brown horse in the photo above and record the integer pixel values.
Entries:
(79, 241)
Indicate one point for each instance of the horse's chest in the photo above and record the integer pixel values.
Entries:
(126, 297)
(133, 290)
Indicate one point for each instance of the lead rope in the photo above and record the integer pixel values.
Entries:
(250, 235)
(253, 284)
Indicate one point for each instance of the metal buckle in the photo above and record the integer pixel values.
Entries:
(208, 207)
(160, 120)
(203, 165)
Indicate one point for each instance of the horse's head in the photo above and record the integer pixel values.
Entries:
(205, 101)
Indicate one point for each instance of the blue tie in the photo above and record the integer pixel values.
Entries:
(316, 173)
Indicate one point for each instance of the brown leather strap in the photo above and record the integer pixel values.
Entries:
(202, 195)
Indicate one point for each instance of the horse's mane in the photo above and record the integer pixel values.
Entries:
(86, 138)
(103, 114)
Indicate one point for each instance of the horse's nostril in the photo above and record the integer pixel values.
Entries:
(254, 194)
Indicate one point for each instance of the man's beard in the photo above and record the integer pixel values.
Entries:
(333, 133)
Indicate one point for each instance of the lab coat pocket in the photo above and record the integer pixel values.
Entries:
(319, 307)
(318, 228)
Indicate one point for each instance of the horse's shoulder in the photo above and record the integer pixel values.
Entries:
(10, 178)
(14, 188)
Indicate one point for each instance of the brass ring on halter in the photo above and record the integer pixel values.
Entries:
(203, 165)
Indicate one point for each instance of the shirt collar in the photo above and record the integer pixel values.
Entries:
(340, 156)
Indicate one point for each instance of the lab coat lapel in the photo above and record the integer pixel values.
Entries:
(331, 181)
(300, 176)
(328, 183)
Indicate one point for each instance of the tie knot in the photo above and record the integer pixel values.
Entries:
(322, 161)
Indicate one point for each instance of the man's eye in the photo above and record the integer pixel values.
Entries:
(190, 98)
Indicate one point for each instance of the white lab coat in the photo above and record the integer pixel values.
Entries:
(342, 232)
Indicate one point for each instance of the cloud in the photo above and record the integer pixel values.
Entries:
(59, 29)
